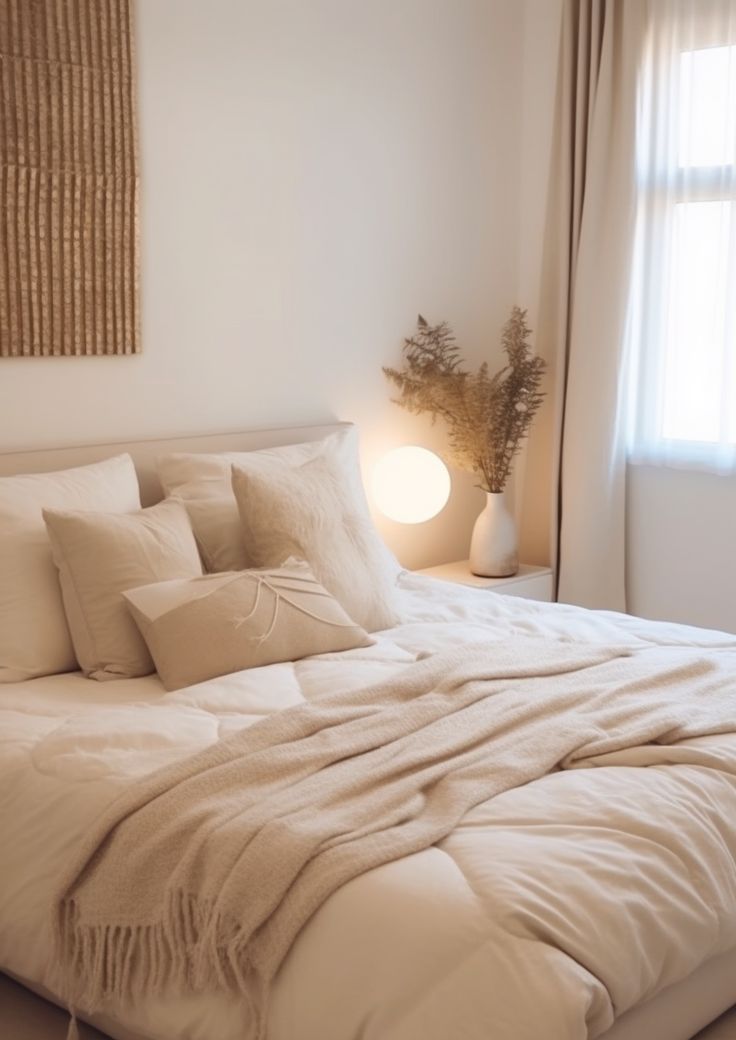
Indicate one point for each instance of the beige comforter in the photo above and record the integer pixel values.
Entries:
(205, 872)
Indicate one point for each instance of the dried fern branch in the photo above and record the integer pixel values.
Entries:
(487, 417)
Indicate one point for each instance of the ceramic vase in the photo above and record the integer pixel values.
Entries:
(493, 546)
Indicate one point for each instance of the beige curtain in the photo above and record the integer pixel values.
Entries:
(582, 312)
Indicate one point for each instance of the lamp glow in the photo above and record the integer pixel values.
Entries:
(410, 484)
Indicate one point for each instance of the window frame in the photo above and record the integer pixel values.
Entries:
(659, 191)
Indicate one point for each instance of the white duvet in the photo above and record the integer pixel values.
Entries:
(489, 934)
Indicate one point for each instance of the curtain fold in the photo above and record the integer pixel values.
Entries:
(585, 280)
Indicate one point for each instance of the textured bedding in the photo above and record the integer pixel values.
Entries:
(548, 910)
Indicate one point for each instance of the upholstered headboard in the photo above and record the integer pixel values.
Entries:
(145, 453)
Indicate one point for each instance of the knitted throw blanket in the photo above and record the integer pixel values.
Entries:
(202, 874)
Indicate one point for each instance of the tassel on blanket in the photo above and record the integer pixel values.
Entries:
(189, 948)
(72, 1032)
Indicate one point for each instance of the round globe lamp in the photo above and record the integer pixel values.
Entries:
(410, 484)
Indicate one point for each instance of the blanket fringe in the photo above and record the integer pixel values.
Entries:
(190, 948)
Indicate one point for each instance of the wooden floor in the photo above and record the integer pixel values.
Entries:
(23, 1016)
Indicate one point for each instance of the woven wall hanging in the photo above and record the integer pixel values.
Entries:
(69, 251)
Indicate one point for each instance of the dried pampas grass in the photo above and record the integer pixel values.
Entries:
(487, 416)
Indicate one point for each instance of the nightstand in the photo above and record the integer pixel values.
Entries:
(529, 582)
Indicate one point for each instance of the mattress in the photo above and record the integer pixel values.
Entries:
(487, 929)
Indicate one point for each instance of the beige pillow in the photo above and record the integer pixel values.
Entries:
(317, 511)
(222, 623)
(204, 483)
(101, 555)
(218, 531)
(34, 636)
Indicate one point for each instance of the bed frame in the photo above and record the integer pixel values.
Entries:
(145, 453)
(677, 1013)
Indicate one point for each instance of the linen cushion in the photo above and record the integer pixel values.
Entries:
(34, 635)
(101, 555)
(203, 481)
(316, 510)
(218, 531)
(200, 628)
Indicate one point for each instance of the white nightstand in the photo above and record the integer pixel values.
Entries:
(529, 582)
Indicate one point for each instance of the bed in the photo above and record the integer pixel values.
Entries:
(589, 902)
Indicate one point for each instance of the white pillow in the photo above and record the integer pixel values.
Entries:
(207, 475)
(316, 510)
(101, 555)
(34, 636)
(200, 628)
(204, 483)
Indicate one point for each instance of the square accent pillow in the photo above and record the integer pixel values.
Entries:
(101, 555)
(200, 628)
(316, 511)
(34, 635)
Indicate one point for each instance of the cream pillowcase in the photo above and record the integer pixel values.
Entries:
(203, 481)
(317, 511)
(99, 556)
(34, 635)
(205, 627)
(218, 531)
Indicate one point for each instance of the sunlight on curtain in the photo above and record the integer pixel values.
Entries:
(682, 317)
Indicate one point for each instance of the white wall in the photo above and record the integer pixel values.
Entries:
(313, 175)
(681, 555)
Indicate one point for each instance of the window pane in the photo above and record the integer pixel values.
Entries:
(697, 321)
(707, 106)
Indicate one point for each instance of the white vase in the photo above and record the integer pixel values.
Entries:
(493, 546)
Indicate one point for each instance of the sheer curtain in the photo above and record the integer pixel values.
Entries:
(683, 295)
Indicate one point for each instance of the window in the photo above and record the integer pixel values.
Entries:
(683, 315)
